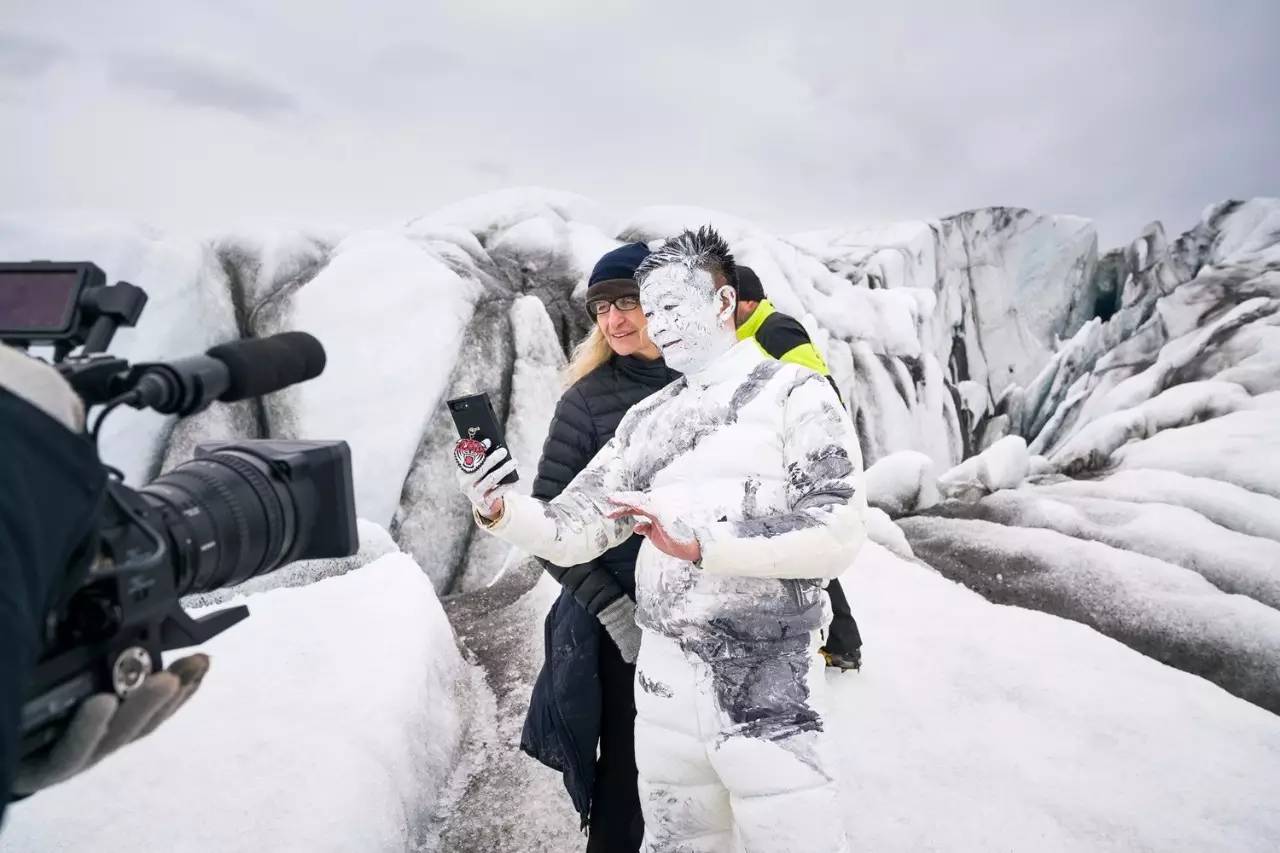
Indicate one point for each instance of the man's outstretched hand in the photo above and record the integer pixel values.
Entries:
(670, 536)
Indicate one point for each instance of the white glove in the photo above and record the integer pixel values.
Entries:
(42, 386)
(102, 724)
(482, 486)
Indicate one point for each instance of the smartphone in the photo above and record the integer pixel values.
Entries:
(474, 417)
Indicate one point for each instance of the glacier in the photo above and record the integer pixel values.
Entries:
(1073, 457)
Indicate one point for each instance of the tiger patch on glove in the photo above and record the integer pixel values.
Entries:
(469, 453)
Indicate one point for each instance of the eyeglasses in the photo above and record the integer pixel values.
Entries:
(600, 307)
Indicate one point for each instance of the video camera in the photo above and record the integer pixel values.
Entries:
(239, 509)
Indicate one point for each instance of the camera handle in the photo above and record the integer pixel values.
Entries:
(103, 310)
(180, 630)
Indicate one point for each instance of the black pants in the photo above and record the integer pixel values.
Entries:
(616, 825)
(843, 636)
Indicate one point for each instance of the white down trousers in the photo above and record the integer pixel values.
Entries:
(764, 783)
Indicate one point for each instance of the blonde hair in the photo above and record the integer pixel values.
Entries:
(591, 352)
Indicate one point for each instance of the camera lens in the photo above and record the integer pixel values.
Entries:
(230, 516)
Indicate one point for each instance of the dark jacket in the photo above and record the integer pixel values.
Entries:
(783, 337)
(563, 724)
(51, 486)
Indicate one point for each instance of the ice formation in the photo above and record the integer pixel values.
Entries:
(1093, 435)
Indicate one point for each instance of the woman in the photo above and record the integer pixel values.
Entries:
(584, 693)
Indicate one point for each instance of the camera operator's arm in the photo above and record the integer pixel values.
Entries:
(51, 486)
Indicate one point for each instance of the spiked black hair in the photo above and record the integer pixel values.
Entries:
(701, 249)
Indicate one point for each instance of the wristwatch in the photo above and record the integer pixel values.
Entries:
(486, 523)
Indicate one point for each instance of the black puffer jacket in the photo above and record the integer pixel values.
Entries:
(585, 420)
(563, 724)
(51, 487)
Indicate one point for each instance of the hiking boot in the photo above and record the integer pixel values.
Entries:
(842, 660)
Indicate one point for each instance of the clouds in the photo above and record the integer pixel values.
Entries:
(815, 114)
(24, 56)
(197, 83)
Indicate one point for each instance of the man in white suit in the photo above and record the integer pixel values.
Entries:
(745, 476)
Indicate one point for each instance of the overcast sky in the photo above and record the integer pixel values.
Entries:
(793, 114)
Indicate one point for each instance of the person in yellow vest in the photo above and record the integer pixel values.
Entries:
(781, 336)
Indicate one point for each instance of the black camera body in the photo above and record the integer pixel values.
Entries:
(237, 510)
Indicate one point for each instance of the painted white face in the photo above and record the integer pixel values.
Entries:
(686, 314)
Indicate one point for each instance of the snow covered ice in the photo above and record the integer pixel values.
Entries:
(1088, 440)
(902, 482)
(332, 724)
(979, 727)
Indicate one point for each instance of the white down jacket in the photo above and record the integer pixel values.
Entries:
(759, 460)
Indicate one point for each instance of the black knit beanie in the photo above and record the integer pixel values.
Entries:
(613, 273)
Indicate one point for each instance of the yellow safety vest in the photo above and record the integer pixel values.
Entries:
(781, 336)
